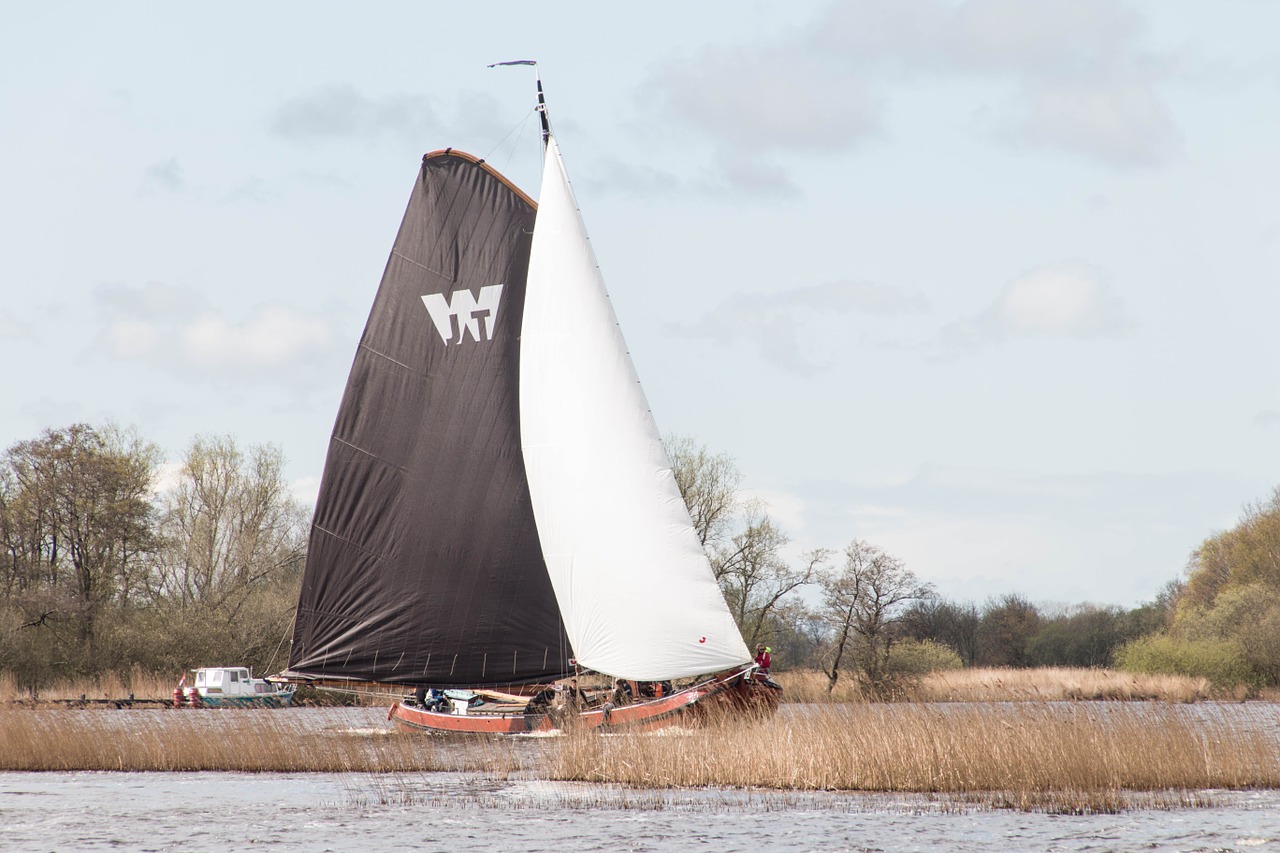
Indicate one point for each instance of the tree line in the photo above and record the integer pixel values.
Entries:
(861, 612)
(101, 572)
(1224, 620)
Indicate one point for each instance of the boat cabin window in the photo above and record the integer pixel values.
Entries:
(200, 674)
(235, 676)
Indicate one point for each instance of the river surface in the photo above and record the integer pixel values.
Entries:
(436, 811)
(459, 812)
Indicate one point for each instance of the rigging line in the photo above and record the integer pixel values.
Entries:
(518, 128)
(287, 631)
(542, 103)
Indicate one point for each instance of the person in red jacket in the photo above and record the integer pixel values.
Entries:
(764, 658)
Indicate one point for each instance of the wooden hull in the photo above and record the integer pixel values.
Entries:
(734, 693)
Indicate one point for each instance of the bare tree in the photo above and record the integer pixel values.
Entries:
(863, 601)
(1004, 635)
(709, 485)
(753, 574)
(742, 542)
(950, 623)
(228, 524)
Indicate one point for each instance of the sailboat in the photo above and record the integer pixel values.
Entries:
(498, 526)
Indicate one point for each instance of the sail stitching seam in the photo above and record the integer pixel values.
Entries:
(421, 265)
(373, 351)
(368, 453)
(350, 542)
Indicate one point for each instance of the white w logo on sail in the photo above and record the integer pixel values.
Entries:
(465, 314)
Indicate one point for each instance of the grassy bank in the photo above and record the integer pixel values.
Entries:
(1010, 685)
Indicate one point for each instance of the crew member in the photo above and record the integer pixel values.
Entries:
(764, 658)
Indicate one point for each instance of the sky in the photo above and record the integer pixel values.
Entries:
(993, 285)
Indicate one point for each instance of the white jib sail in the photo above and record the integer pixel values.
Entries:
(635, 588)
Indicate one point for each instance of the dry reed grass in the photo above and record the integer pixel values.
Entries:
(1062, 758)
(1010, 685)
(143, 685)
(1060, 683)
(967, 685)
(149, 686)
(230, 740)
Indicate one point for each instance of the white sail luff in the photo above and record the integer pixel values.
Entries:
(635, 588)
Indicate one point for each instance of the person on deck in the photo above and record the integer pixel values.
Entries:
(764, 658)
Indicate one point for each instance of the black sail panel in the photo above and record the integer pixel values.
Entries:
(424, 565)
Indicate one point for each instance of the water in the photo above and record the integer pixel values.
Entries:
(465, 811)
(450, 811)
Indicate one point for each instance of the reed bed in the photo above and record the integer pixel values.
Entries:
(1009, 685)
(965, 685)
(1060, 757)
(138, 683)
(228, 740)
(1061, 683)
(1073, 758)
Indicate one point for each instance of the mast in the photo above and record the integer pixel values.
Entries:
(542, 109)
(542, 101)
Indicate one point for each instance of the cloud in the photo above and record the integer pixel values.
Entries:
(788, 328)
(787, 508)
(1117, 125)
(729, 178)
(11, 328)
(272, 335)
(253, 190)
(614, 175)
(168, 476)
(738, 177)
(131, 337)
(1070, 76)
(1070, 300)
(340, 112)
(152, 300)
(166, 176)
(745, 99)
(174, 328)
(1051, 39)
(306, 490)
(866, 297)
(754, 105)
(1267, 419)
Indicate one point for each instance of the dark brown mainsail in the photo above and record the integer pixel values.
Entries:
(424, 564)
